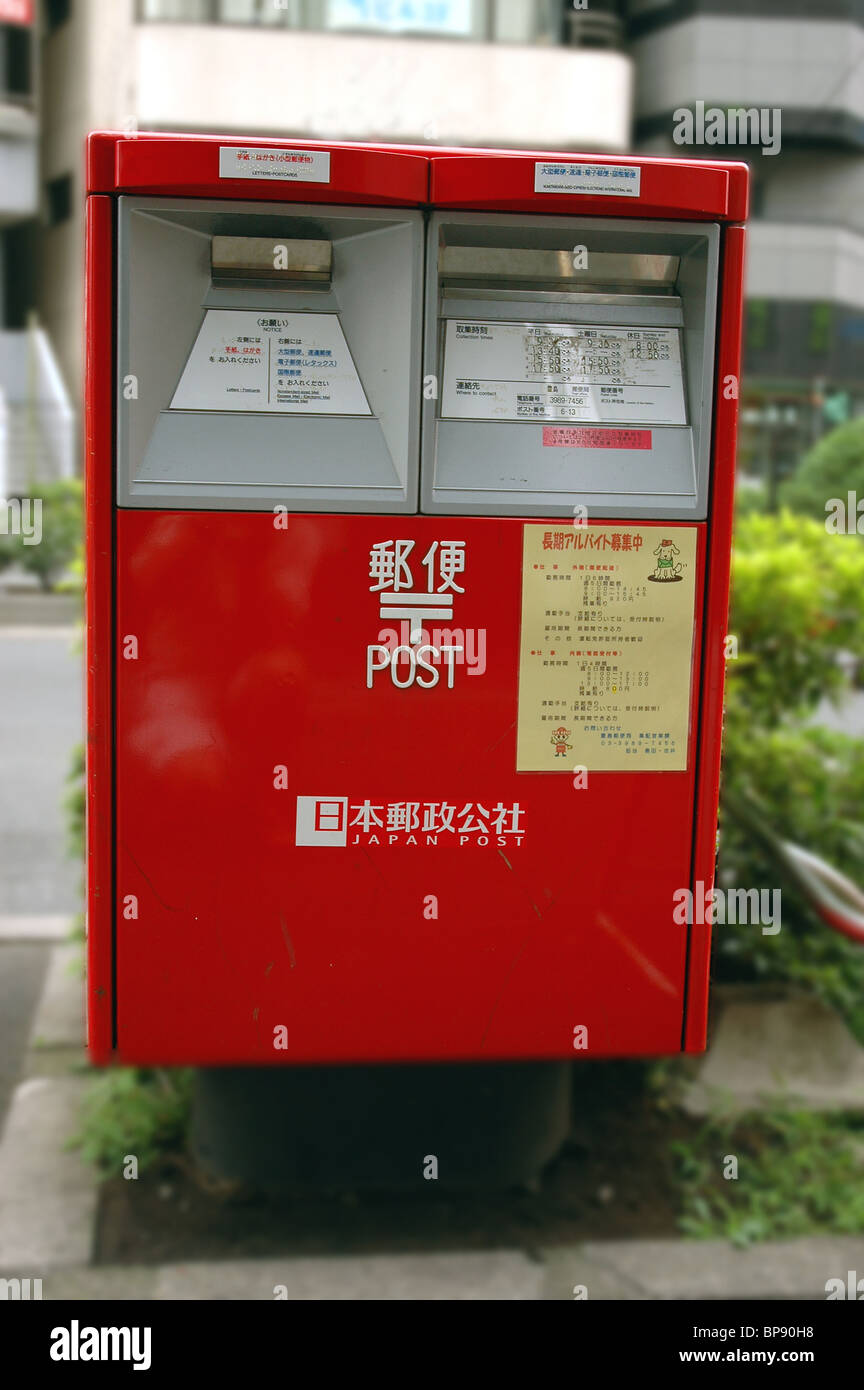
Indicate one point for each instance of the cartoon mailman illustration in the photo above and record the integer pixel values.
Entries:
(559, 738)
(666, 570)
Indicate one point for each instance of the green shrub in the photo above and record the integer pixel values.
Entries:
(74, 804)
(133, 1111)
(8, 551)
(62, 528)
(810, 783)
(751, 498)
(796, 604)
(832, 468)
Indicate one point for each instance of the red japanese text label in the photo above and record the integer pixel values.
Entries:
(571, 437)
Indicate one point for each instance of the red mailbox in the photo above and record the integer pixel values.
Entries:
(409, 483)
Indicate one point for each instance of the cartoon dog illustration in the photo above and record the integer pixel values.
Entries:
(666, 567)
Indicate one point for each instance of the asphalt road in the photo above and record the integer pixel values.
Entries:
(40, 725)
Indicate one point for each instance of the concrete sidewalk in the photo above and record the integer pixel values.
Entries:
(48, 1206)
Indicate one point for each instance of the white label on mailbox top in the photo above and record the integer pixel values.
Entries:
(562, 372)
(286, 363)
(291, 166)
(617, 180)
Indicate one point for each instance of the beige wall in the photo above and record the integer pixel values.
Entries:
(752, 61)
(358, 87)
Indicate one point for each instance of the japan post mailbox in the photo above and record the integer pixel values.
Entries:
(409, 511)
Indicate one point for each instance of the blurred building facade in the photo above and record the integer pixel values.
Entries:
(804, 331)
(500, 72)
(605, 75)
(36, 416)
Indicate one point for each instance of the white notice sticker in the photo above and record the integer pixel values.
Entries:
(562, 372)
(291, 166)
(617, 180)
(255, 360)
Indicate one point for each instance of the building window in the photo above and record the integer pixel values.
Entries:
(525, 21)
(16, 63)
(56, 13)
(820, 330)
(757, 197)
(452, 19)
(760, 325)
(59, 198)
(597, 25)
(180, 11)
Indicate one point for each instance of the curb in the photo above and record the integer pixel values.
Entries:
(48, 1195)
(21, 931)
(39, 610)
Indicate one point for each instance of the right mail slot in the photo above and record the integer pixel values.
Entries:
(571, 362)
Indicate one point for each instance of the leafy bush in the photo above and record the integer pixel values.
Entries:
(8, 551)
(796, 604)
(811, 783)
(62, 527)
(832, 468)
(74, 804)
(73, 580)
(752, 497)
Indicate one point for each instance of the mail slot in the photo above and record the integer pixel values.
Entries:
(235, 316)
(568, 323)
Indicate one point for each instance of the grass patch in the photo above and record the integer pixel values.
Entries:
(798, 1173)
(135, 1111)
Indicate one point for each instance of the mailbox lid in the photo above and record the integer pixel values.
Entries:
(512, 181)
(212, 166)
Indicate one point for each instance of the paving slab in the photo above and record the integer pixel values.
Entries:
(682, 1270)
(36, 609)
(24, 928)
(568, 1270)
(786, 1050)
(135, 1283)
(495, 1274)
(59, 1019)
(47, 1193)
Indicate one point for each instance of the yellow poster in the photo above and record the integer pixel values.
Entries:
(606, 647)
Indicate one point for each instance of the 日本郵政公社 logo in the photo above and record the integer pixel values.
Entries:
(322, 820)
(335, 821)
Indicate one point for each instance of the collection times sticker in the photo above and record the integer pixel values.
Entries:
(596, 373)
(606, 647)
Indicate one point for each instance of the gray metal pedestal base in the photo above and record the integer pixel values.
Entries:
(323, 1128)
